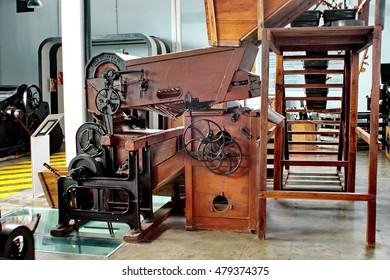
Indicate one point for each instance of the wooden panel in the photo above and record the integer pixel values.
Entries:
(230, 21)
(355, 38)
(238, 189)
(303, 137)
(49, 184)
(234, 188)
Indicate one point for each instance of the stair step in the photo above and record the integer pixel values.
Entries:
(313, 72)
(324, 188)
(314, 111)
(312, 143)
(306, 132)
(313, 85)
(313, 98)
(313, 57)
(319, 122)
(313, 152)
(312, 182)
(325, 163)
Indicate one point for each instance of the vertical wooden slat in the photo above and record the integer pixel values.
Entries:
(278, 139)
(260, 18)
(263, 132)
(380, 7)
(364, 11)
(253, 175)
(211, 19)
(353, 107)
(188, 182)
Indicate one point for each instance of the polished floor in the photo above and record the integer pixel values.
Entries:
(296, 230)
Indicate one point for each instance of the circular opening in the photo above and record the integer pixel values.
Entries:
(220, 203)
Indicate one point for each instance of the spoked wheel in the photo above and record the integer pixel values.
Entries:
(107, 101)
(205, 141)
(198, 135)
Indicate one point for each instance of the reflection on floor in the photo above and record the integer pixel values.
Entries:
(92, 239)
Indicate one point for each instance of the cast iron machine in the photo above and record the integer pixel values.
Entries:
(21, 112)
(120, 161)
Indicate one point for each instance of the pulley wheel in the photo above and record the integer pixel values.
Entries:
(32, 98)
(89, 164)
(88, 139)
(17, 243)
(223, 159)
(198, 134)
(107, 101)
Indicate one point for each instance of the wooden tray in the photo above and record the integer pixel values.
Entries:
(49, 184)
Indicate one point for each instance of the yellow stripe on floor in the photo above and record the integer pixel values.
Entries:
(4, 195)
(17, 177)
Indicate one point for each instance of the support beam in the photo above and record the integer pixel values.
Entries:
(73, 56)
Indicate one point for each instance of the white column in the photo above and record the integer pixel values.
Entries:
(176, 25)
(73, 53)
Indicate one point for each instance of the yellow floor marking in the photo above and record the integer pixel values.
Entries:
(17, 177)
(4, 195)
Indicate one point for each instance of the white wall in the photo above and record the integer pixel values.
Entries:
(365, 78)
(21, 35)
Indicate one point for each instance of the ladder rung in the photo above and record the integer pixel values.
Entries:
(312, 182)
(313, 85)
(324, 122)
(312, 152)
(314, 132)
(313, 143)
(313, 57)
(312, 72)
(333, 111)
(314, 163)
(314, 98)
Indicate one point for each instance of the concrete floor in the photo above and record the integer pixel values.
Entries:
(296, 230)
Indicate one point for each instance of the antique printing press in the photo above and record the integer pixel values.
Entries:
(121, 164)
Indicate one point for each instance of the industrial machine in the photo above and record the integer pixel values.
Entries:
(21, 111)
(121, 162)
(221, 169)
(17, 237)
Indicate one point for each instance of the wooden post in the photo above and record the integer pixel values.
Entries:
(353, 108)
(374, 121)
(380, 7)
(364, 10)
(212, 23)
(260, 18)
(374, 127)
(278, 139)
(263, 133)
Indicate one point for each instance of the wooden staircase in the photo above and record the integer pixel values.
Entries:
(307, 182)
(301, 154)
